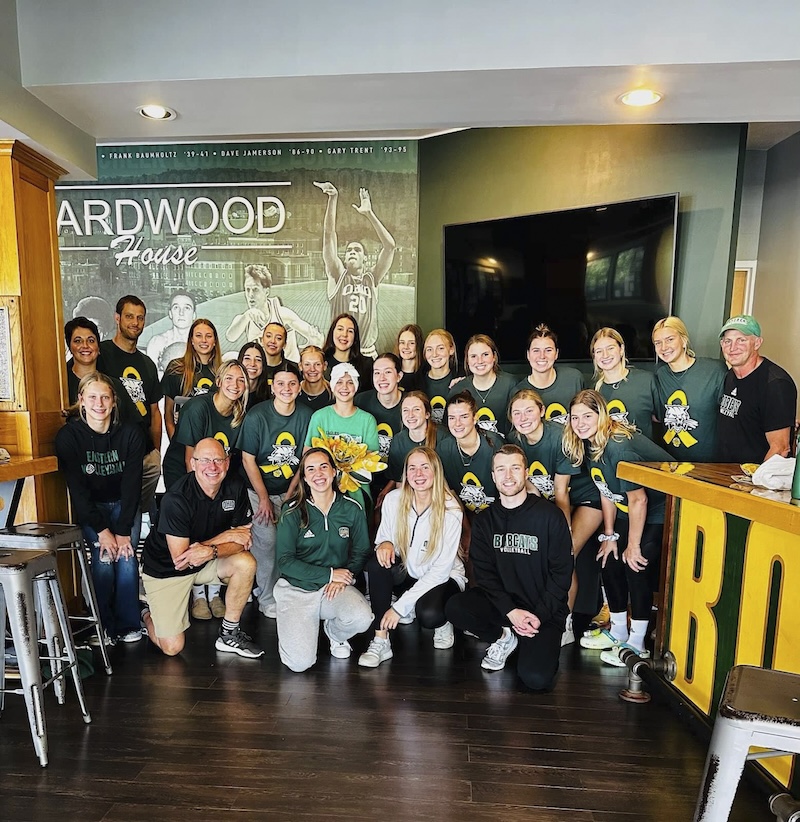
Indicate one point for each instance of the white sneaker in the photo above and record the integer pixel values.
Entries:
(568, 637)
(379, 650)
(340, 650)
(498, 652)
(444, 637)
(131, 636)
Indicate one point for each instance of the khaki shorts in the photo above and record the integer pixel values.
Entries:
(168, 598)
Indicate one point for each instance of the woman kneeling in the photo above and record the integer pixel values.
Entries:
(322, 545)
(417, 556)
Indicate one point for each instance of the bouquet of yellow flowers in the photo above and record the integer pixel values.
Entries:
(354, 461)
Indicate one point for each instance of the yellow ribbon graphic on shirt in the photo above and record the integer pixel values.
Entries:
(602, 487)
(220, 436)
(545, 484)
(555, 409)
(437, 409)
(473, 494)
(130, 373)
(283, 456)
(617, 407)
(385, 432)
(676, 435)
(203, 385)
(486, 419)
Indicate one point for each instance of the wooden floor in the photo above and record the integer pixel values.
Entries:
(425, 736)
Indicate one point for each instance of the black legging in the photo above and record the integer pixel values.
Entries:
(621, 581)
(537, 661)
(384, 581)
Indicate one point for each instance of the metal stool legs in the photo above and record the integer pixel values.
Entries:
(91, 601)
(20, 572)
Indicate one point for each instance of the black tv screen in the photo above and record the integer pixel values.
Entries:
(576, 270)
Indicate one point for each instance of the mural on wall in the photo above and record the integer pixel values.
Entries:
(243, 234)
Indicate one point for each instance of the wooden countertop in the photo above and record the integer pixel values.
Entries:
(712, 484)
(19, 467)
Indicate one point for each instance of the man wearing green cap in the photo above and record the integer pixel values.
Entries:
(759, 399)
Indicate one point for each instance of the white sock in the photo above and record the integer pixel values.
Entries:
(213, 591)
(638, 633)
(198, 592)
(619, 625)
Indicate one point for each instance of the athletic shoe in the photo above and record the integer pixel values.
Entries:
(444, 637)
(95, 642)
(217, 607)
(498, 652)
(271, 610)
(568, 637)
(340, 650)
(131, 636)
(603, 618)
(598, 640)
(379, 650)
(200, 609)
(611, 656)
(238, 642)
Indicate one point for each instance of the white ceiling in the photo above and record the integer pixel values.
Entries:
(318, 70)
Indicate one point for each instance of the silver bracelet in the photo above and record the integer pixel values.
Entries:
(608, 537)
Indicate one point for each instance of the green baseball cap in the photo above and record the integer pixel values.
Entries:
(745, 323)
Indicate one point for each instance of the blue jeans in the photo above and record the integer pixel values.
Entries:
(116, 583)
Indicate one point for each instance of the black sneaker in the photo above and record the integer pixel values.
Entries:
(237, 642)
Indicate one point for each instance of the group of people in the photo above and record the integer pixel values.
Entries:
(362, 493)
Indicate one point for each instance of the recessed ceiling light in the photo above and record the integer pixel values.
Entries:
(640, 97)
(156, 112)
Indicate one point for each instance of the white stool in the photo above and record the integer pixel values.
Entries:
(759, 707)
(62, 536)
(20, 571)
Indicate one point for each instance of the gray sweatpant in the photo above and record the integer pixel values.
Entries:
(263, 549)
(299, 615)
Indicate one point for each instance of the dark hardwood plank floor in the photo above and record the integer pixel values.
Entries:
(427, 735)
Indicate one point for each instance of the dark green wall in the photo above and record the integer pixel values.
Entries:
(484, 174)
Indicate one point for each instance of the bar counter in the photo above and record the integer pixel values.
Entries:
(730, 581)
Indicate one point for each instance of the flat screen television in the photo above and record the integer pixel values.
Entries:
(576, 270)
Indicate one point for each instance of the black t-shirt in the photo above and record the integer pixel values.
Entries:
(136, 382)
(764, 400)
(186, 511)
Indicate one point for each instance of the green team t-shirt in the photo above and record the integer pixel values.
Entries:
(276, 442)
(470, 478)
(389, 420)
(199, 419)
(633, 400)
(438, 390)
(492, 414)
(604, 474)
(687, 403)
(557, 396)
(401, 445)
(545, 459)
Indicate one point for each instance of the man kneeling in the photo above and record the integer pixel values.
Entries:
(521, 552)
(203, 537)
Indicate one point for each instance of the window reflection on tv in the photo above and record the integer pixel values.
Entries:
(576, 270)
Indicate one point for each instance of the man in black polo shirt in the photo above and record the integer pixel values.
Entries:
(138, 388)
(203, 537)
(759, 399)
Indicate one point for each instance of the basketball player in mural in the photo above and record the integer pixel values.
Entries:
(263, 310)
(351, 289)
(182, 314)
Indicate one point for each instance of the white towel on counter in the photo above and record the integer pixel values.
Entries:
(776, 473)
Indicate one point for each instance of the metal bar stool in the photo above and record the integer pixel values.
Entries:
(20, 572)
(759, 707)
(61, 536)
